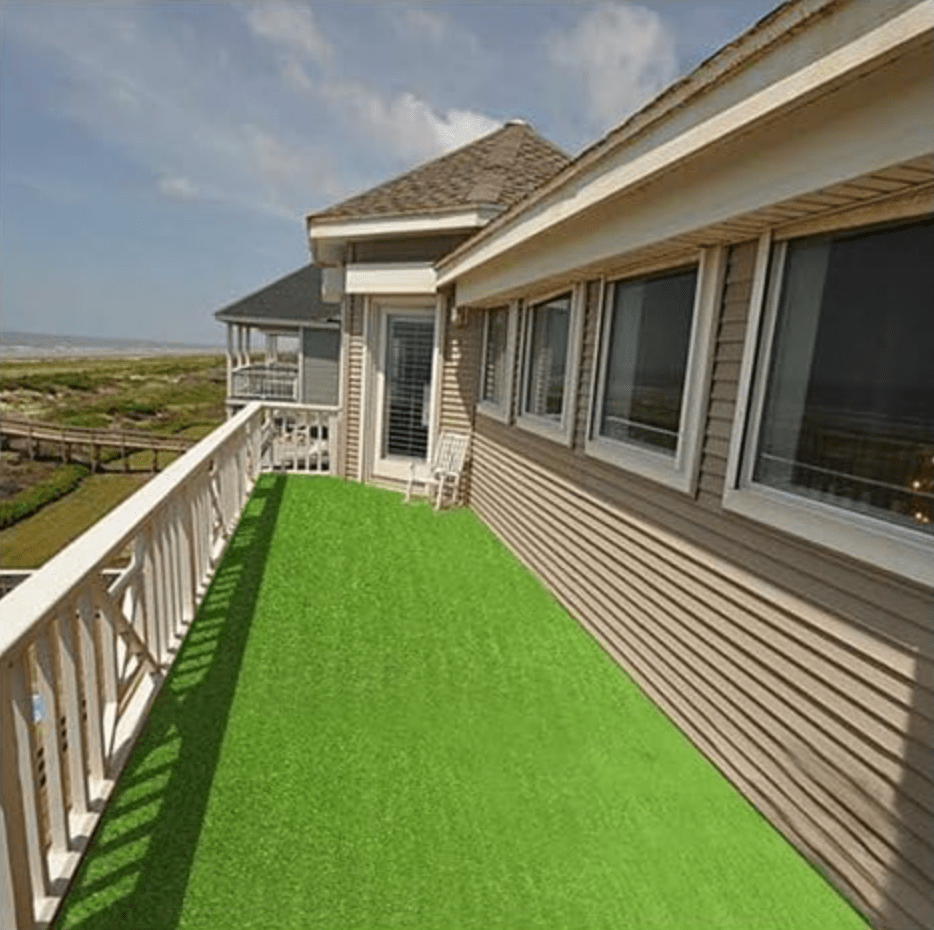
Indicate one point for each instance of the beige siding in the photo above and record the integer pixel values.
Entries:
(807, 677)
(460, 376)
(353, 380)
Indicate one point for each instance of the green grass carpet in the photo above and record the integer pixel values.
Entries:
(381, 720)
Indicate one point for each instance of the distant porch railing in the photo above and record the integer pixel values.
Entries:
(83, 652)
(265, 382)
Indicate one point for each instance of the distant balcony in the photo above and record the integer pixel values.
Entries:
(265, 382)
(364, 714)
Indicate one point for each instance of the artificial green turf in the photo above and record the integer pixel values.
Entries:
(380, 719)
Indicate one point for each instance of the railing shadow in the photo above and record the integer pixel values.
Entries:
(138, 864)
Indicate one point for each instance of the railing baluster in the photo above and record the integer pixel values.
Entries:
(90, 682)
(150, 601)
(188, 559)
(24, 751)
(16, 882)
(71, 708)
(47, 688)
(162, 590)
(175, 595)
(106, 641)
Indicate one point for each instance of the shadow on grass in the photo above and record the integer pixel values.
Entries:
(136, 871)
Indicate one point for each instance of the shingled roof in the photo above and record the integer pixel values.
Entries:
(294, 299)
(497, 170)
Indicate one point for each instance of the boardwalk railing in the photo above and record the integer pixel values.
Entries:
(82, 654)
(63, 438)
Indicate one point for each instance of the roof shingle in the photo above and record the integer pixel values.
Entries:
(294, 298)
(497, 170)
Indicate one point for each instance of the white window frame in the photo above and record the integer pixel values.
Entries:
(893, 548)
(561, 431)
(501, 410)
(678, 471)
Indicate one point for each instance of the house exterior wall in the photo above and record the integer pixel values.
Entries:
(806, 677)
(320, 365)
(460, 375)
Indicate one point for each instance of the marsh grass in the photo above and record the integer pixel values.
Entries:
(181, 396)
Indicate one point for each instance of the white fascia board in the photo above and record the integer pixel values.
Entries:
(609, 179)
(279, 325)
(411, 224)
(391, 278)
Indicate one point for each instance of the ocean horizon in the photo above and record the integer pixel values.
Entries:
(15, 345)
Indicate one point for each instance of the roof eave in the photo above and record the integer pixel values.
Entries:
(772, 28)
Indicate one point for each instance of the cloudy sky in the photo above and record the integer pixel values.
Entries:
(157, 159)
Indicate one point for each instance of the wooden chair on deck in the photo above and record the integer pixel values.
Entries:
(446, 468)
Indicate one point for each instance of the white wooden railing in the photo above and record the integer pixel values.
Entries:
(265, 382)
(301, 438)
(82, 654)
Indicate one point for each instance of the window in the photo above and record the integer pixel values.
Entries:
(552, 334)
(498, 349)
(654, 353)
(842, 426)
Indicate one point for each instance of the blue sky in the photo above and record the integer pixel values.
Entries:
(157, 159)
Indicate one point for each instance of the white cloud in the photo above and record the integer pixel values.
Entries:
(143, 85)
(179, 187)
(293, 27)
(406, 123)
(420, 25)
(296, 76)
(622, 54)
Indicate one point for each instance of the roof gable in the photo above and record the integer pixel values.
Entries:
(497, 170)
(295, 298)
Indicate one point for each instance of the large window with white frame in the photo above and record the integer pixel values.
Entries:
(839, 443)
(496, 371)
(654, 344)
(552, 336)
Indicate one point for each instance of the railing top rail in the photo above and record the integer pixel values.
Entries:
(35, 597)
(282, 367)
(298, 406)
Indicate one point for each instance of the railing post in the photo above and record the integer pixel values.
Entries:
(47, 687)
(90, 679)
(71, 705)
(18, 856)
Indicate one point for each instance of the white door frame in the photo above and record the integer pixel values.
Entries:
(396, 468)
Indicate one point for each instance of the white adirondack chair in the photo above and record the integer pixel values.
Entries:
(445, 469)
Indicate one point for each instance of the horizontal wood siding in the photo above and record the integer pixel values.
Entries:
(353, 380)
(460, 379)
(807, 677)
(460, 376)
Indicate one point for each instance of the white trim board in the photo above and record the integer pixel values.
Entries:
(320, 230)
(391, 278)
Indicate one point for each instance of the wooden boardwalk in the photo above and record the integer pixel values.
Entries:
(66, 439)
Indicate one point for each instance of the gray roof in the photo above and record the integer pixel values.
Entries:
(294, 299)
(499, 169)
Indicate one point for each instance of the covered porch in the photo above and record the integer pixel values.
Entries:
(377, 717)
(283, 343)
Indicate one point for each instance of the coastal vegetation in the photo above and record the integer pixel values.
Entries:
(44, 502)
